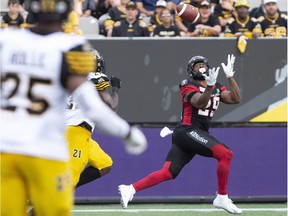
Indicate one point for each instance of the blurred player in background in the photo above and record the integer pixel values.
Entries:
(200, 96)
(83, 149)
(37, 72)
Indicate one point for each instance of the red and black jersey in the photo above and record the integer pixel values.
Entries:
(274, 27)
(199, 117)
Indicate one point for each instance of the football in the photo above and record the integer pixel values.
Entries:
(187, 12)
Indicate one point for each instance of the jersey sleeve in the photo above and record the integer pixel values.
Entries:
(100, 80)
(78, 61)
(187, 88)
(221, 87)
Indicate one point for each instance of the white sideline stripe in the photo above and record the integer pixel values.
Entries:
(177, 210)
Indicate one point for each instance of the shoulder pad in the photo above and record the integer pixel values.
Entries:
(260, 19)
(80, 62)
(184, 82)
(100, 80)
(142, 23)
(118, 23)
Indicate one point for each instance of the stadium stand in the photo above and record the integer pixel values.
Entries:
(89, 25)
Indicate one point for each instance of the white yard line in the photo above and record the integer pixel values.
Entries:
(177, 210)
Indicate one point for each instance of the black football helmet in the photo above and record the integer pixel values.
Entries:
(190, 67)
(49, 10)
(101, 66)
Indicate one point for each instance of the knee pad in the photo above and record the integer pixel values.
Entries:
(229, 154)
(220, 151)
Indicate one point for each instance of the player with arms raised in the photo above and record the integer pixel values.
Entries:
(200, 95)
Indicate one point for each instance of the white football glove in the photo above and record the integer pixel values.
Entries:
(136, 142)
(229, 68)
(212, 78)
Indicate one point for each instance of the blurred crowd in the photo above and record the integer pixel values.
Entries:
(157, 18)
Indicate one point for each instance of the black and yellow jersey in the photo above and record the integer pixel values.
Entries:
(8, 21)
(276, 27)
(125, 29)
(245, 27)
(115, 14)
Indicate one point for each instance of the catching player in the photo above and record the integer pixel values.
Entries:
(200, 95)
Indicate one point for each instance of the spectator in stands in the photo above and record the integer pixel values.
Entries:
(71, 26)
(88, 7)
(156, 18)
(171, 5)
(29, 20)
(257, 12)
(242, 25)
(225, 12)
(182, 24)
(207, 25)
(167, 28)
(214, 3)
(102, 7)
(13, 18)
(115, 14)
(273, 23)
(147, 7)
(132, 26)
(22, 10)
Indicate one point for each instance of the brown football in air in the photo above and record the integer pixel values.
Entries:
(187, 12)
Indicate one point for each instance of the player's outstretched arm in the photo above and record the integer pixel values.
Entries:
(233, 96)
(114, 96)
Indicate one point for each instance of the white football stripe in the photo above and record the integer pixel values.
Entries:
(197, 17)
(183, 9)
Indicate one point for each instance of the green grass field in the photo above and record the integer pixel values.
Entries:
(177, 210)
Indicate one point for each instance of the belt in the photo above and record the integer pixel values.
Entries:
(86, 126)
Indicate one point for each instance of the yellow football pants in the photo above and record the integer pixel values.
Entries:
(46, 183)
(84, 151)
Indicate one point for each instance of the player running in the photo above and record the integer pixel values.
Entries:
(83, 149)
(40, 66)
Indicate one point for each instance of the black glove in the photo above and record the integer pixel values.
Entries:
(115, 82)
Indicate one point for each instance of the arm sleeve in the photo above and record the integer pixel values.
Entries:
(95, 109)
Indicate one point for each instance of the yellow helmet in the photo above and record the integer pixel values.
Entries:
(244, 3)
